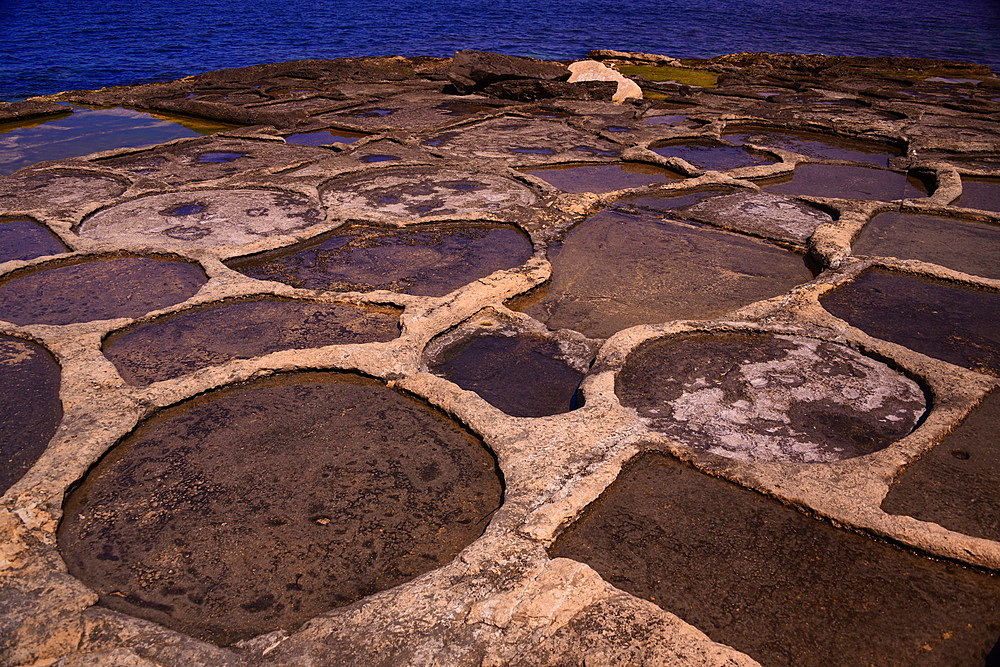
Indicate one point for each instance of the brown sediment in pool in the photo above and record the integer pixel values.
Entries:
(815, 144)
(712, 155)
(96, 289)
(762, 397)
(30, 409)
(523, 375)
(971, 247)
(305, 492)
(22, 238)
(181, 343)
(955, 484)
(948, 321)
(617, 269)
(426, 260)
(980, 193)
(824, 180)
(578, 178)
(324, 137)
(780, 586)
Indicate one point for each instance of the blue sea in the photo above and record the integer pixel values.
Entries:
(47, 46)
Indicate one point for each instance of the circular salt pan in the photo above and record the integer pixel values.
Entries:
(256, 507)
(421, 192)
(203, 219)
(759, 397)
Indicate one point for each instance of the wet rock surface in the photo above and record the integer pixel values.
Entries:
(711, 154)
(524, 372)
(500, 368)
(602, 177)
(429, 260)
(957, 323)
(174, 345)
(29, 406)
(980, 193)
(815, 145)
(98, 289)
(955, 483)
(782, 587)
(820, 180)
(425, 241)
(971, 247)
(260, 552)
(80, 131)
(769, 398)
(758, 213)
(617, 270)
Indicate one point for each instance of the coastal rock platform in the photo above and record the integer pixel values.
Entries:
(424, 361)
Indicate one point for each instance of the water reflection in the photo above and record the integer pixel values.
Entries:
(85, 130)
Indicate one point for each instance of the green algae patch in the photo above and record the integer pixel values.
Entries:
(691, 77)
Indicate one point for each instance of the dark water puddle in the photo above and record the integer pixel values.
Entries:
(324, 138)
(173, 345)
(30, 409)
(97, 290)
(372, 113)
(972, 247)
(778, 585)
(821, 180)
(665, 120)
(814, 144)
(532, 151)
(761, 397)
(578, 178)
(426, 260)
(219, 157)
(981, 193)
(185, 209)
(522, 375)
(378, 158)
(960, 325)
(459, 108)
(617, 270)
(26, 239)
(86, 131)
(711, 155)
(955, 484)
(256, 507)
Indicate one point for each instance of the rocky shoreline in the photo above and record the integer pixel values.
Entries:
(415, 228)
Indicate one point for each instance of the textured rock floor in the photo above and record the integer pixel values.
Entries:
(432, 361)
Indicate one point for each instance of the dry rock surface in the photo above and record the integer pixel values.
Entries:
(465, 361)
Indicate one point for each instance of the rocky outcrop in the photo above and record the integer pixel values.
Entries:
(10, 111)
(591, 70)
(473, 70)
(532, 90)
